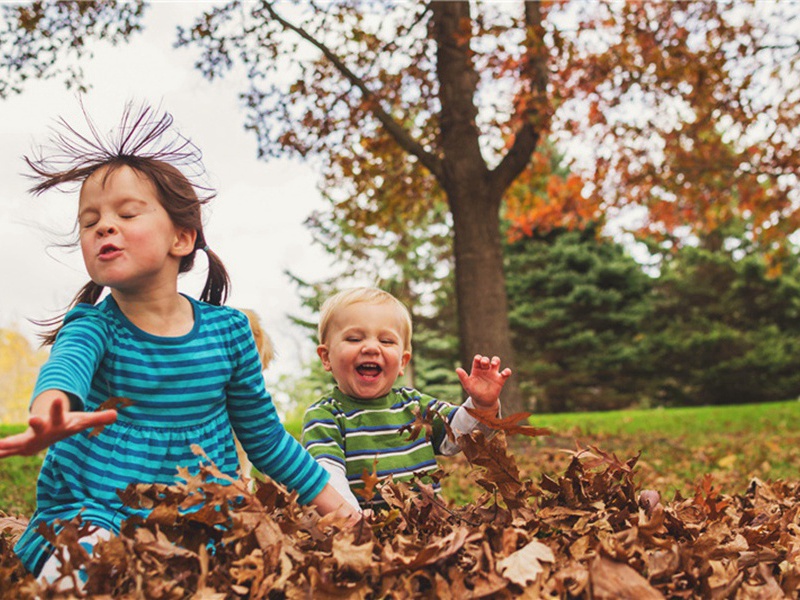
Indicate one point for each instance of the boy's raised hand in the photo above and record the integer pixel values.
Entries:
(485, 381)
(53, 425)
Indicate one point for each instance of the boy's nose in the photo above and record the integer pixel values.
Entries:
(369, 347)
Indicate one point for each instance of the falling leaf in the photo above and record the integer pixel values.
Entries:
(422, 422)
(349, 555)
(508, 424)
(112, 403)
(370, 481)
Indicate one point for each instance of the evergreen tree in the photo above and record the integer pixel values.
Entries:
(578, 304)
(725, 330)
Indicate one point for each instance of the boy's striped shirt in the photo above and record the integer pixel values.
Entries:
(341, 431)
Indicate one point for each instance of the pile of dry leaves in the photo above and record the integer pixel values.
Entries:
(587, 533)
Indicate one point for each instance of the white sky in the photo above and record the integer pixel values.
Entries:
(254, 223)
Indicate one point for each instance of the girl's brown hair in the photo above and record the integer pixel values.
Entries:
(146, 143)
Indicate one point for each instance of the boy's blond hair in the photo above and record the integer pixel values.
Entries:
(367, 295)
(266, 351)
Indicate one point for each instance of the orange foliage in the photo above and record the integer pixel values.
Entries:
(541, 201)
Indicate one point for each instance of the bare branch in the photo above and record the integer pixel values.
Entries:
(400, 135)
(534, 74)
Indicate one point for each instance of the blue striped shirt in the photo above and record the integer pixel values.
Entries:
(185, 390)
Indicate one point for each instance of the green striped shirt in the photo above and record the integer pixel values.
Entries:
(341, 432)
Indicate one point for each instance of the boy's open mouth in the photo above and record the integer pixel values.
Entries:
(108, 249)
(369, 369)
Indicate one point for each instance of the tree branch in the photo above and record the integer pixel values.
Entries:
(400, 135)
(458, 82)
(534, 74)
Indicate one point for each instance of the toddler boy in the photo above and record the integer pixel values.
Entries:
(365, 342)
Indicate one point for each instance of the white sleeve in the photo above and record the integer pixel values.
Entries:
(339, 482)
(464, 423)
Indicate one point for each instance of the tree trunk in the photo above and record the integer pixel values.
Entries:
(474, 201)
(481, 285)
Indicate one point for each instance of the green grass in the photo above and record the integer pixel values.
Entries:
(694, 422)
(678, 447)
(18, 478)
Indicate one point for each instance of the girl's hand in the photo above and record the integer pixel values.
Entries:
(54, 425)
(485, 381)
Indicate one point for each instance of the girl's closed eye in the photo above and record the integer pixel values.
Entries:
(87, 221)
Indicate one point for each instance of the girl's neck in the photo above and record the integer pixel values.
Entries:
(164, 314)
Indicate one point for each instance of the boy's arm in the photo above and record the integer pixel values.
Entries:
(323, 440)
(329, 500)
(483, 384)
(338, 482)
(463, 423)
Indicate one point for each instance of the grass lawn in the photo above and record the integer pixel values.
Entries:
(18, 479)
(678, 447)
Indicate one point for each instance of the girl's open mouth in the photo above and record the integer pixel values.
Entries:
(109, 251)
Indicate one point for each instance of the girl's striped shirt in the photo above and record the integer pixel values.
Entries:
(184, 390)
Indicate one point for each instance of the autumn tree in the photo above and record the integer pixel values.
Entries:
(19, 366)
(683, 110)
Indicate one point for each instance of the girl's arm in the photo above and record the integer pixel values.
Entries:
(51, 421)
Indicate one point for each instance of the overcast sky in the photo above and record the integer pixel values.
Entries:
(254, 223)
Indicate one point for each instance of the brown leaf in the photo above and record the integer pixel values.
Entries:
(348, 555)
(508, 424)
(525, 565)
(420, 423)
(112, 403)
(611, 580)
(370, 481)
(501, 469)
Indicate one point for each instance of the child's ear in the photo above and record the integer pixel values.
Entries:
(184, 241)
(324, 356)
(404, 361)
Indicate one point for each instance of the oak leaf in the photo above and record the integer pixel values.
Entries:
(112, 403)
(525, 565)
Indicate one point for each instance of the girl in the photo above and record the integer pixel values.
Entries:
(187, 370)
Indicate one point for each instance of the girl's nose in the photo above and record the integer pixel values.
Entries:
(106, 228)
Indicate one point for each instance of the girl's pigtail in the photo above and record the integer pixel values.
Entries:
(89, 294)
(218, 282)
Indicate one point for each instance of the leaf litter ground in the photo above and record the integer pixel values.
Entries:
(588, 531)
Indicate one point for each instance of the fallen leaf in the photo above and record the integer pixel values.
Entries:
(524, 566)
